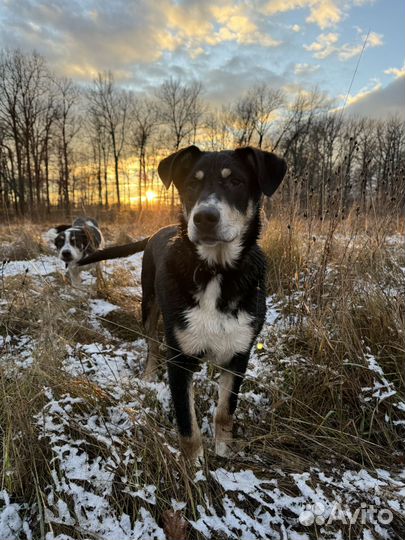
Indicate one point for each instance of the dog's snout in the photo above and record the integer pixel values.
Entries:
(206, 218)
(66, 255)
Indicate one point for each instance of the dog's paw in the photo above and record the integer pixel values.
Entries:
(222, 449)
(149, 376)
(199, 459)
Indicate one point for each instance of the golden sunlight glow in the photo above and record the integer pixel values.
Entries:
(150, 196)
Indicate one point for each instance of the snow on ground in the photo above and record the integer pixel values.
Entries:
(255, 504)
(42, 266)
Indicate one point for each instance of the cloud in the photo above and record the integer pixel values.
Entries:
(397, 72)
(324, 46)
(327, 44)
(379, 102)
(234, 76)
(363, 2)
(349, 51)
(84, 40)
(363, 94)
(302, 70)
(237, 26)
(324, 13)
(85, 36)
(224, 44)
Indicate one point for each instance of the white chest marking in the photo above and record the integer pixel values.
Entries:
(209, 330)
(222, 254)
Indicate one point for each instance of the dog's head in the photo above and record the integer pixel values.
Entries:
(71, 242)
(220, 191)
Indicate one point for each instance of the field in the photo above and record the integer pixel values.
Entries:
(90, 450)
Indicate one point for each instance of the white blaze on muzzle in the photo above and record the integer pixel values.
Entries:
(67, 247)
(232, 223)
(228, 231)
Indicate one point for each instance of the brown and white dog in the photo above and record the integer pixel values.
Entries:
(75, 242)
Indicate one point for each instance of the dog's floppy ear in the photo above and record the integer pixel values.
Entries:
(269, 168)
(53, 233)
(61, 228)
(177, 165)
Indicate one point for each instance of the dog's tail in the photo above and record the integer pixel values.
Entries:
(115, 252)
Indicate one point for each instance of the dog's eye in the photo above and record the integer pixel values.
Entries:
(235, 181)
(193, 184)
(59, 241)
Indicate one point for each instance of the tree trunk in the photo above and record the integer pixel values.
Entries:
(117, 181)
(65, 169)
(48, 200)
(106, 185)
(140, 182)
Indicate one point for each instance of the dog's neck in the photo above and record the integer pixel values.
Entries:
(225, 256)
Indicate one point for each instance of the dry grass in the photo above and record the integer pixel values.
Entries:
(144, 224)
(284, 256)
(20, 240)
(17, 243)
(341, 290)
(36, 313)
(338, 286)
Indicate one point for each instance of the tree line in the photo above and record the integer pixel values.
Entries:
(63, 144)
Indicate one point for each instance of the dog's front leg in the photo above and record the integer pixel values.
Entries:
(229, 384)
(180, 369)
(151, 315)
(99, 275)
(74, 276)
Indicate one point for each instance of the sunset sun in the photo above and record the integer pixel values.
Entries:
(151, 196)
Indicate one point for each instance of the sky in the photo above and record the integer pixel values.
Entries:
(228, 45)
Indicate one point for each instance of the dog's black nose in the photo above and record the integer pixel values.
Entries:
(66, 255)
(206, 218)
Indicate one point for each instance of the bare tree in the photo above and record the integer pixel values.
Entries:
(390, 160)
(348, 148)
(111, 106)
(243, 119)
(323, 157)
(253, 113)
(26, 113)
(302, 112)
(267, 101)
(216, 129)
(45, 140)
(7, 175)
(100, 144)
(180, 109)
(365, 160)
(144, 118)
(67, 126)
